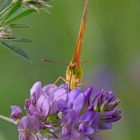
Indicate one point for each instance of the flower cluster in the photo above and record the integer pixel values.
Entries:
(57, 113)
(35, 4)
(5, 32)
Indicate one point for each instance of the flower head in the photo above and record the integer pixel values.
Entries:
(45, 100)
(5, 32)
(104, 102)
(56, 113)
(37, 4)
(38, 103)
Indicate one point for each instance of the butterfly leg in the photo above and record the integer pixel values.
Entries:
(60, 78)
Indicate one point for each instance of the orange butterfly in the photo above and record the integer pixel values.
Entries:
(74, 70)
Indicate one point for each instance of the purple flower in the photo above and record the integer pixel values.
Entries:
(69, 128)
(75, 101)
(50, 99)
(28, 128)
(58, 98)
(88, 122)
(79, 126)
(104, 102)
(100, 112)
(56, 113)
(16, 112)
(38, 103)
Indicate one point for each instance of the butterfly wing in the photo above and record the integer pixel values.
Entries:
(76, 57)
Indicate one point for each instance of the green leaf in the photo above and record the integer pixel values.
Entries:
(17, 39)
(16, 50)
(20, 26)
(20, 15)
(4, 4)
(13, 9)
(4, 11)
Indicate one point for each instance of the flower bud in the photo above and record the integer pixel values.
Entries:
(16, 112)
(5, 32)
(36, 4)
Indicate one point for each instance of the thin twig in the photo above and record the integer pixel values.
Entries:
(7, 119)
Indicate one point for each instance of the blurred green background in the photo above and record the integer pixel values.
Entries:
(112, 47)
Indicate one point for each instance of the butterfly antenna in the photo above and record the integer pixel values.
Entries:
(52, 61)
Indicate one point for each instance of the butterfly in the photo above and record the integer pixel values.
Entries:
(74, 69)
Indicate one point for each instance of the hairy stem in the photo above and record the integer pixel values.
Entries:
(7, 119)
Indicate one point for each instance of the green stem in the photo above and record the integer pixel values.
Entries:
(7, 119)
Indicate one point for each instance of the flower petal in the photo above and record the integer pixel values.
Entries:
(16, 112)
(49, 88)
(35, 88)
(105, 126)
(86, 117)
(79, 102)
(87, 92)
(72, 95)
(29, 122)
(25, 136)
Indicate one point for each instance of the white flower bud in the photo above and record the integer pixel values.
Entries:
(5, 32)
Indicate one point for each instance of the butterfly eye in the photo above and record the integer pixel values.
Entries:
(72, 66)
